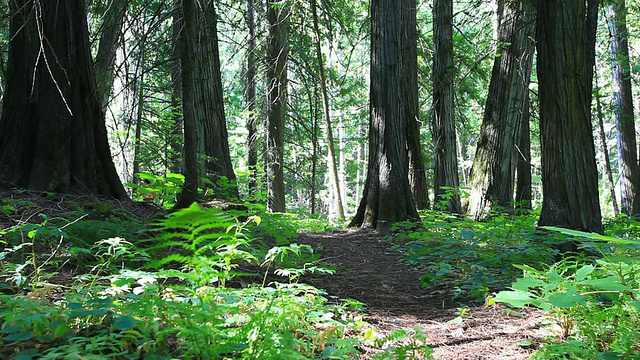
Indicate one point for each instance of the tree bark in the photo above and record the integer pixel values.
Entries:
(277, 54)
(250, 96)
(623, 106)
(326, 106)
(109, 42)
(387, 195)
(176, 136)
(446, 178)
(409, 56)
(189, 193)
(524, 196)
(565, 42)
(52, 131)
(492, 177)
(210, 118)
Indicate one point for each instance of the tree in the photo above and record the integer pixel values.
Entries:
(623, 106)
(409, 57)
(189, 193)
(445, 171)
(250, 96)
(492, 176)
(332, 163)
(387, 195)
(210, 117)
(277, 54)
(52, 131)
(109, 41)
(565, 34)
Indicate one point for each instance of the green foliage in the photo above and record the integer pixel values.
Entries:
(162, 190)
(405, 345)
(467, 256)
(179, 306)
(596, 304)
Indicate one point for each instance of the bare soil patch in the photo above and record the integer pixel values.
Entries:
(371, 271)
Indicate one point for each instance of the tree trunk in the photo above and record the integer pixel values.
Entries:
(446, 180)
(492, 177)
(176, 136)
(52, 131)
(565, 42)
(210, 118)
(623, 106)
(387, 195)
(189, 192)
(409, 56)
(277, 54)
(109, 42)
(333, 165)
(250, 96)
(605, 148)
(524, 196)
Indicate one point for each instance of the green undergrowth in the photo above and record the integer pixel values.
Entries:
(197, 284)
(470, 259)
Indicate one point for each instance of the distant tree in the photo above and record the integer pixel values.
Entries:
(623, 106)
(445, 171)
(409, 63)
(52, 130)
(210, 117)
(176, 136)
(250, 96)
(565, 34)
(189, 193)
(387, 195)
(492, 176)
(110, 35)
(277, 54)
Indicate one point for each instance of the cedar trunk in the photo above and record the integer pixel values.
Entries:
(52, 131)
(565, 44)
(445, 172)
(387, 195)
(492, 176)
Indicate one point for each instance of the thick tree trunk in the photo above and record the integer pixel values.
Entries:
(623, 106)
(189, 192)
(277, 54)
(387, 195)
(52, 131)
(332, 163)
(250, 96)
(565, 44)
(211, 123)
(409, 63)
(492, 176)
(109, 42)
(444, 131)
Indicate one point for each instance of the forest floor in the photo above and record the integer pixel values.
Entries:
(371, 271)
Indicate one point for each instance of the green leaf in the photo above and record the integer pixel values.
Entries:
(635, 304)
(566, 300)
(583, 272)
(123, 322)
(592, 236)
(21, 336)
(524, 284)
(608, 284)
(516, 298)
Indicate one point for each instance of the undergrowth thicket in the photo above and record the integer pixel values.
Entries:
(213, 284)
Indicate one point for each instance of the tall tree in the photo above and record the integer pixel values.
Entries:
(176, 136)
(387, 195)
(565, 34)
(186, 40)
(52, 131)
(277, 54)
(250, 96)
(210, 117)
(492, 176)
(110, 35)
(443, 128)
(409, 64)
(326, 107)
(623, 106)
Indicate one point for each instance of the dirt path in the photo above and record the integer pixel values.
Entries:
(372, 272)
